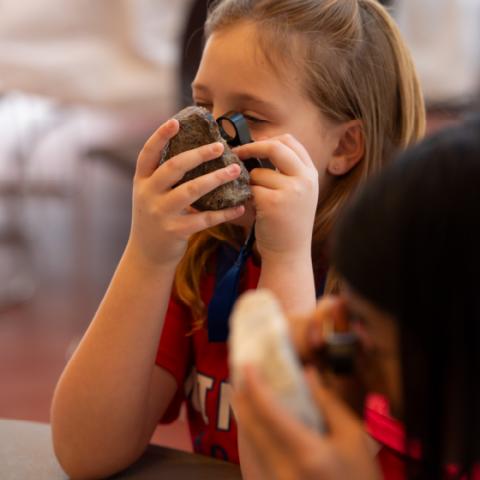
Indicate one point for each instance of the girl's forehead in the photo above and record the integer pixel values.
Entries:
(233, 57)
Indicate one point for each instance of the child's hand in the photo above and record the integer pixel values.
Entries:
(309, 334)
(286, 199)
(286, 449)
(162, 219)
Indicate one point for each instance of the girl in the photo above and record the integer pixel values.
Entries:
(329, 92)
(422, 330)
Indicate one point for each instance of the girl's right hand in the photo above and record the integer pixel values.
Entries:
(162, 220)
(285, 198)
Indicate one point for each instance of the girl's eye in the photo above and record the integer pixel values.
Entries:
(254, 120)
(250, 118)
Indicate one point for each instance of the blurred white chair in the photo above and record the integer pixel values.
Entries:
(444, 36)
(87, 74)
(111, 53)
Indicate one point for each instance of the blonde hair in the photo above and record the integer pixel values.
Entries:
(356, 66)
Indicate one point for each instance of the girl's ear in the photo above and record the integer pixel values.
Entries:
(350, 148)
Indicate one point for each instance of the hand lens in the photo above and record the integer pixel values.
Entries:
(234, 130)
(340, 351)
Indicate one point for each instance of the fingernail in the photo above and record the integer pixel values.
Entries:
(171, 127)
(233, 168)
(217, 148)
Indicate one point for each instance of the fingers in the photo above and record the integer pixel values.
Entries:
(187, 193)
(281, 155)
(339, 418)
(267, 454)
(149, 156)
(268, 178)
(291, 142)
(268, 419)
(264, 196)
(173, 170)
(196, 222)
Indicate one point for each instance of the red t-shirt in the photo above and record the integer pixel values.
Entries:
(200, 368)
(390, 435)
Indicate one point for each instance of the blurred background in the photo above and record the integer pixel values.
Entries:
(82, 85)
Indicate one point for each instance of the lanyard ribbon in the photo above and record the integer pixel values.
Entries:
(227, 290)
(226, 293)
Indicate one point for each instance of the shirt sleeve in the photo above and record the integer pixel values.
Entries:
(174, 352)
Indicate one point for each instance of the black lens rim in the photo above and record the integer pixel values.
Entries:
(242, 136)
(240, 126)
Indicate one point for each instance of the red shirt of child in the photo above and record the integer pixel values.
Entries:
(200, 368)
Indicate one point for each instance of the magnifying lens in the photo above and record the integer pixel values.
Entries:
(234, 129)
(340, 351)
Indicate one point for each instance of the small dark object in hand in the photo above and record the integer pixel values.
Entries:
(198, 127)
(338, 354)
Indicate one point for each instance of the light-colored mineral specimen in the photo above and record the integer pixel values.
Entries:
(259, 337)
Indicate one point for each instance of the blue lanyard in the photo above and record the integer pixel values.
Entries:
(226, 293)
(227, 290)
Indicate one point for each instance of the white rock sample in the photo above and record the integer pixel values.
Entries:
(259, 337)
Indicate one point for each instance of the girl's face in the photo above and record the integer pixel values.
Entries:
(234, 75)
(379, 335)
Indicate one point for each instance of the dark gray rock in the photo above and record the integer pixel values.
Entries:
(197, 128)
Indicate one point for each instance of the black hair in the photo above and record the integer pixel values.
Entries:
(410, 243)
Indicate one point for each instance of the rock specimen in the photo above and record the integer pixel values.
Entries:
(259, 336)
(197, 128)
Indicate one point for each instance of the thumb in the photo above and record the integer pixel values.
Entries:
(339, 418)
(149, 157)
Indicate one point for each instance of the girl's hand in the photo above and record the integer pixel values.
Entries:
(308, 334)
(289, 450)
(162, 219)
(286, 199)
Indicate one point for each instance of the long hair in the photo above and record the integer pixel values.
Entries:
(354, 65)
(410, 243)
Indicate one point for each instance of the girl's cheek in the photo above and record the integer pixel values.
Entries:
(265, 131)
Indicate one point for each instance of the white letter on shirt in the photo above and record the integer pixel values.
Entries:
(225, 409)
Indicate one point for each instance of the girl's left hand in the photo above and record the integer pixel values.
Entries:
(285, 199)
(288, 450)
